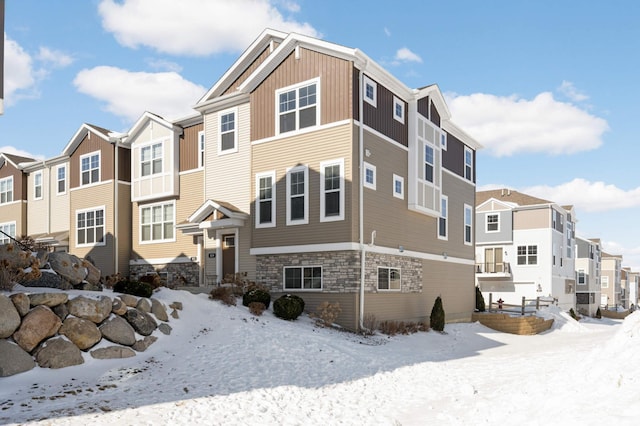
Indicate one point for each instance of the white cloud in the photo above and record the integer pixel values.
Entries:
(54, 57)
(387, 32)
(128, 94)
(195, 27)
(164, 65)
(513, 125)
(19, 76)
(406, 55)
(570, 91)
(8, 149)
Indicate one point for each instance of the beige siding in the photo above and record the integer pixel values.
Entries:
(124, 228)
(60, 215)
(161, 184)
(15, 212)
(38, 211)
(348, 318)
(310, 149)
(531, 219)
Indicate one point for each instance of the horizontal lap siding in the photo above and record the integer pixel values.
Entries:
(348, 317)
(124, 228)
(17, 212)
(38, 211)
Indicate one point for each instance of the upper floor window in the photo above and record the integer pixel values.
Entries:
(443, 141)
(8, 230)
(61, 177)
(398, 110)
(468, 164)
(369, 176)
(442, 220)
(37, 185)
(297, 107)
(228, 132)
(6, 190)
(90, 227)
(493, 223)
(157, 222)
(398, 186)
(265, 200)
(332, 190)
(389, 278)
(151, 159)
(297, 195)
(90, 168)
(581, 277)
(527, 255)
(370, 89)
(428, 163)
(200, 149)
(604, 281)
(468, 224)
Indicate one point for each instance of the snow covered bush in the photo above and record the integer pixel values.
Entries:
(288, 307)
(256, 294)
(437, 315)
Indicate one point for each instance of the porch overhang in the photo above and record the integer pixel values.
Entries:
(212, 215)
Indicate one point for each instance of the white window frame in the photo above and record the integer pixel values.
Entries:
(468, 223)
(444, 215)
(443, 140)
(468, 166)
(38, 186)
(305, 219)
(153, 159)
(7, 194)
(302, 287)
(430, 148)
(64, 179)
(527, 255)
(259, 176)
(373, 100)
(398, 179)
(581, 276)
(486, 222)
(90, 169)
(604, 281)
(162, 223)
(340, 216)
(389, 270)
(369, 168)
(297, 109)
(398, 104)
(94, 210)
(201, 149)
(9, 228)
(221, 114)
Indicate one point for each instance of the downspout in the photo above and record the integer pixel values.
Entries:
(116, 210)
(361, 200)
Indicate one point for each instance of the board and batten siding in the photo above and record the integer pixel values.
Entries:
(335, 89)
(190, 148)
(308, 149)
(91, 143)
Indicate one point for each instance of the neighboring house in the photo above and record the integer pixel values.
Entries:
(13, 197)
(167, 164)
(588, 267)
(524, 248)
(99, 187)
(327, 177)
(632, 287)
(610, 281)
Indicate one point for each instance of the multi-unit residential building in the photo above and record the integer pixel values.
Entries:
(13, 197)
(630, 283)
(610, 281)
(524, 248)
(588, 268)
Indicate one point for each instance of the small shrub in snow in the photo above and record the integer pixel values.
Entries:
(480, 305)
(288, 307)
(224, 295)
(573, 314)
(598, 313)
(437, 315)
(370, 324)
(256, 294)
(152, 279)
(327, 313)
(7, 277)
(135, 288)
(391, 328)
(257, 308)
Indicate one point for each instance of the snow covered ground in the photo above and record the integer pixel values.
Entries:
(223, 366)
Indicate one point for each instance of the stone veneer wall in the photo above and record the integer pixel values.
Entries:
(180, 274)
(410, 272)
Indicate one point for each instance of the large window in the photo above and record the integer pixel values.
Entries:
(442, 220)
(388, 278)
(265, 200)
(37, 185)
(61, 176)
(6, 190)
(151, 159)
(493, 223)
(468, 224)
(90, 227)
(303, 278)
(604, 281)
(332, 190)
(157, 222)
(527, 255)
(227, 132)
(468, 164)
(90, 168)
(297, 195)
(9, 229)
(297, 107)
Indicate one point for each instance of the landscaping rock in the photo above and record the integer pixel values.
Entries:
(13, 257)
(118, 330)
(58, 353)
(174, 314)
(165, 328)
(13, 359)
(129, 300)
(48, 299)
(62, 311)
(91, 309)
(21, 302)
(118, 307)
(142, 322)
(113, 352)
(83, 333)
(48, 279)
(143, 305)
(143, 345)
(36, 326)
(68, 266)
(9, 317)
(87, 286)
(93, 273)
(158, 310)
(176, 305)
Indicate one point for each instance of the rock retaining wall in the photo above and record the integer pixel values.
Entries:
(52, 330)
(523, 325)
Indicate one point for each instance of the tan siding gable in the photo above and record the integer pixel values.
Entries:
(531, 219)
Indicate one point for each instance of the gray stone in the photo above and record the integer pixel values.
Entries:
(21, 302)
(118, 307)
(91, 309)
(165, 328)
(176, 305)
(68, 266)
(39, 324)
(142, 322)
(9, 317)
(113, 352)
(87, 286)
(48, 299)
(58, 353)
(129, 300)
(13, 257)
(62, 311)
(13, 359)
(143, 305)
(143, 345)
(157, 309)
(118, 330)
(93, 273)
(49, 280)
(43, 257)
(174, 314)
(83, 333)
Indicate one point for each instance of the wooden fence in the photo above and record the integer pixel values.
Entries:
(523, 308)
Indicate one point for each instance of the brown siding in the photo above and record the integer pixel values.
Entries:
(381, 118)
(124, 164)
(19, 181)
(355, 94)
(453, 156)
(92, 143)
(250, 69)
(435, 115)
(423, 106)
(335, 89)
(189, 147)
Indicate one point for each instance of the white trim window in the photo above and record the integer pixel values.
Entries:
(90, 168)
(492, 222)
(468, 164)
(265, 200)
(443, 222)
(398, 109)
(37, 185)
(398, 186)
(298, 106)
(8, 228)
(90, 227)
(6, 190)
(228, 131)
(443, 141)
(389, 279)
(61, 179)
(201, 149)
(528, 255)
(298, 195)
(151, 159)
(369, 180)
(604, 281)
(582, 278)
(468, 224)
(370, 89)
(302, 278)
(429, 163)
(157, 223)
(332, 190)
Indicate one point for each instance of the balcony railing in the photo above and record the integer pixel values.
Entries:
(503, 268)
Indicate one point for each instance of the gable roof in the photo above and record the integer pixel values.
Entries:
(81, 133)
(15, 160)
(509, 196)
(144, 119)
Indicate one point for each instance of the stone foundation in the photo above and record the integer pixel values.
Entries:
(176, 274)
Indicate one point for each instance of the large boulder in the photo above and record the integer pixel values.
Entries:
(62, 311)
(83, 333)
(93, 273)
(91, 309)
(49, 279)
(143, 305)
(142, 322)
(129, 300)
(13, 257)
(157, 309)
(22, 303)
(113, 352)
(13, 359)
(118, 330)
(36, 326)
(68, 267)
(58, 353)
(48, 299)
(9, 317)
